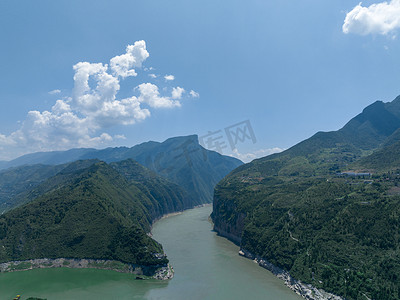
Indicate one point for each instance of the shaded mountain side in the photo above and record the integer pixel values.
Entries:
(330, 152)
(336, 232)
(3, 164)
(394, 106)
(18, 180)
(185, 162)
(369, 129)
(94, 213)
(162, 196)
(180, 160)
(394, 138)
(48, 158)
(22, 184)
(165, 197)
(384, 159)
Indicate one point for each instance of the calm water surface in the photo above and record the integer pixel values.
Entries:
(206, 267)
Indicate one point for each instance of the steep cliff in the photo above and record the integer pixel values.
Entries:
(302, 212)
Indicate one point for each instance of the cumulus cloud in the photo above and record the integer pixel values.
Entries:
(169, 77)
(247, 157)
(94, 106)
(177, 92)
(149, 94)
(153, 76)
(381, 18)
(194, 94)
(135, 55)
(54, 92)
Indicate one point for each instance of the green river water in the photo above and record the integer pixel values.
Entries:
(206, 267)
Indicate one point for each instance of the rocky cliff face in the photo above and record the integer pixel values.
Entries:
(224, 224)
(296, 211)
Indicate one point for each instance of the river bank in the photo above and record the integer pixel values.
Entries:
(207, 267)
(307, 291)
(180, 212)
(160, 272)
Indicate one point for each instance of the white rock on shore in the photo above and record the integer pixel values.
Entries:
(160, 273)
(307, 291)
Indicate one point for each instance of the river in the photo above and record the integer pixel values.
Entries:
(206, 267)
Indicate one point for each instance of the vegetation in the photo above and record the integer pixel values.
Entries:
(302, 213)
(16, 181)
(180, 160)
(164, 196)
(88, 210)
(91, 209)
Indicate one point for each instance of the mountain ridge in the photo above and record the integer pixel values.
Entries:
(300, 211)
(92, 211)
(181, 160)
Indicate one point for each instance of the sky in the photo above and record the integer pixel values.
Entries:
(250, 78)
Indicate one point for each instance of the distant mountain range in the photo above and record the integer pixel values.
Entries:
(181, 160)
(102, 204)
(300, 210)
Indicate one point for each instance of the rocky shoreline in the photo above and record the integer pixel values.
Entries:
(161, 272)
(307, 291)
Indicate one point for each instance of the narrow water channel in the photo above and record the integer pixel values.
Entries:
(206, 267)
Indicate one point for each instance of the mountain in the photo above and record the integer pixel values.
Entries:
(384, 159)
(3, 164)
(301, 211)
(47, 158)
(180, 160)
(328, 152)
(92, 210)
(22, 184)
(15, 181)
(185, 162)
(164, 196)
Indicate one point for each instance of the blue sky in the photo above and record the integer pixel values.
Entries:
(289, 67)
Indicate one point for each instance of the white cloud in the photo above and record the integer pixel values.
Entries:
(381, 18)
(81, 120)
(247, 157)
(169, 77)
(153, 76)
(135, 55)
(177, 92)
(54, 92)
(149, 94)
(89, 99)
(194, 94)
(120, 137)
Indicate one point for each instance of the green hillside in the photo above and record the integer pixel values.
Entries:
(165, 197)
(335, 231)
(180, 160)
(23, 184)
(16, 181)
(384, 159)
(92, 210)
